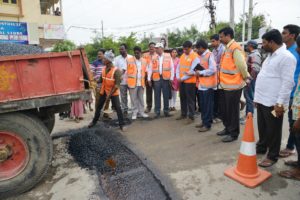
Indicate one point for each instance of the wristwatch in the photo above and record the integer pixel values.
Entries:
(279, 105)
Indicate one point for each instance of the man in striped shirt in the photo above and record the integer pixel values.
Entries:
(96, 69)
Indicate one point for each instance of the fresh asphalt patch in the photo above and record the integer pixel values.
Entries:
(121, 173)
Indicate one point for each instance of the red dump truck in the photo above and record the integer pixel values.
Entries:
(32, 89)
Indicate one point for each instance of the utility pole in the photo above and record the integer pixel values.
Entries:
(211, 9)
(244, 22)
(250, 20)
(102, 29)
(232, 14)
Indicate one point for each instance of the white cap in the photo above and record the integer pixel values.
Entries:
(109, 55)
(159, 45)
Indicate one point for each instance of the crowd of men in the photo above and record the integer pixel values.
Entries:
(213, 80)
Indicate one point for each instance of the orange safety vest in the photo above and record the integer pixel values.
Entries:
(166, 67)
(132, 72)
(207, 82)
(230, 76)
(185, 64)
(148, 57)
(108, 81)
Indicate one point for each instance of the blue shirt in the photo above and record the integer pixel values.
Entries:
(293, 50)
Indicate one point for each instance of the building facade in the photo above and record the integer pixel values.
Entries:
(38, 22)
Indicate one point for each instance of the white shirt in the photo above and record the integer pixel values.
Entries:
(161, 59)
(121, 63)
(139, 72)
(275, 81)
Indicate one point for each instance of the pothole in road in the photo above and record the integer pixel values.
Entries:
(122, 175)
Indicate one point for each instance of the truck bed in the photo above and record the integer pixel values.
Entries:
(43, 80)
(41, 75)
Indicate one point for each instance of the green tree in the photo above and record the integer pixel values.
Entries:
(65, 45)
(207, 34)
(130, 41)
(111, 43)
(177, 37)
(144, 43)
(258, 21)
(98, 43)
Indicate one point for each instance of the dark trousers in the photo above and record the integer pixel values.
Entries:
(230, 111)
(161, 86)
(297, 142)
(270, 131)
(197, 100)
(291, 140)
(116, 104)
(207, 105)
(216, 113)
(149, 94)
(249, 95)
(187, 99)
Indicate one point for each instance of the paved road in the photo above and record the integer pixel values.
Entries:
(189, 164)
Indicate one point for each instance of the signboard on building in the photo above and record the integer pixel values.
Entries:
(13, 32)
(54, 31)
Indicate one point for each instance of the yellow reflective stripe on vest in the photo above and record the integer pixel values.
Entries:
(232, 72)
(207, 87)
(185, 67)
(227, 86)
(111, 79)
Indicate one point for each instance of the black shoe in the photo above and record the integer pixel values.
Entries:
(168, 115)
(203, 129)
(148, 110)
(181, 117)
(123, 128)
(229, 138)
(157, 116)
(222, 133)
(92, 124)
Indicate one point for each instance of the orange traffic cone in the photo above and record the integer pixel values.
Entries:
(246, 172)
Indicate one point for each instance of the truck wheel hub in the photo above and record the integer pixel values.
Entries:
(5, 152)
(14, 155)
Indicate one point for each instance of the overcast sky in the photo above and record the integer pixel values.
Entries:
(119, 14)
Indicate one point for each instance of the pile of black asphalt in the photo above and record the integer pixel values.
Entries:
(9, 49)
(122, 174)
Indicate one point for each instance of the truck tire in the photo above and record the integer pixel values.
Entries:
(31, 153)
(49, 122)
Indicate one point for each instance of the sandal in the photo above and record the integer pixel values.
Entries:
(291, 163)
(266, 163)
(291, 174)
(286, 153)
